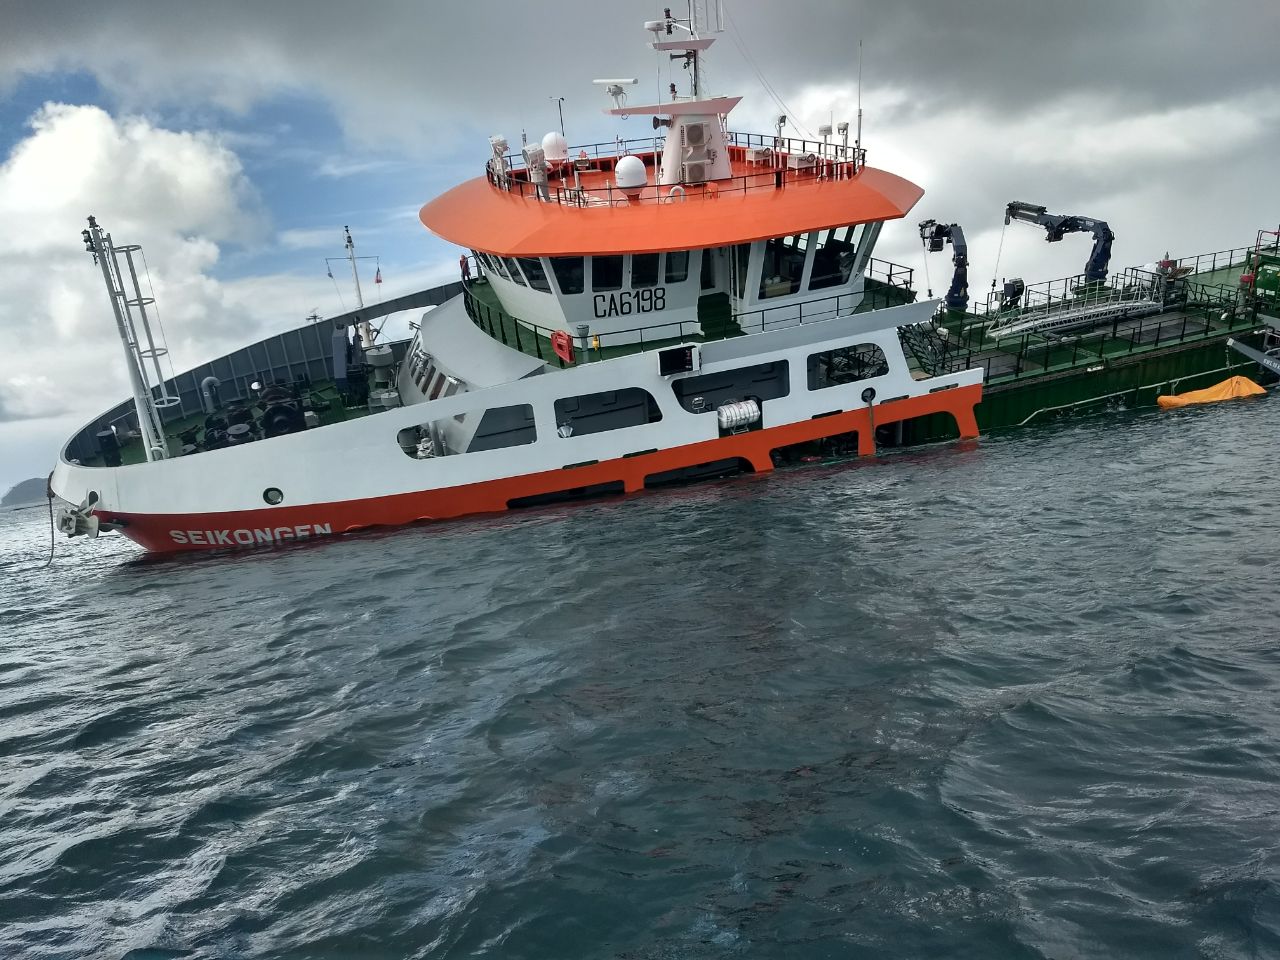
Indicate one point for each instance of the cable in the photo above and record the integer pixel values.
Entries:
(999, 250)
(49, 493)
(155, 305)
(339, 293)
(928, 282)
(737, 42)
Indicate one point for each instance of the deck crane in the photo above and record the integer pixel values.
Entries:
(935, 235)
(1095, 269)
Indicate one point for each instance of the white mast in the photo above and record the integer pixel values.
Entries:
(144, 401)
(366, 334)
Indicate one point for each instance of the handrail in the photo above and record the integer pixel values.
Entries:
(892, 275)
(650, 146)
(831, 161)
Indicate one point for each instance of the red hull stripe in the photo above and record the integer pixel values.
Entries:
(244, 528)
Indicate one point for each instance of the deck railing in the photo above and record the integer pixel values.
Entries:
(888, 284)
(1206, 311)
(823, 160)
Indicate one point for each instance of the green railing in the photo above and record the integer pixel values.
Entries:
(886, 284)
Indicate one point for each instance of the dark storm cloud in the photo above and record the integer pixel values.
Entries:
(408, 70)
(1018, 54)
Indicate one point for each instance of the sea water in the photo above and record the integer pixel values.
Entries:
(1008, 698)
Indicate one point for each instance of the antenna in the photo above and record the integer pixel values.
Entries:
(614, 89)
(559, 107)
(857, 139)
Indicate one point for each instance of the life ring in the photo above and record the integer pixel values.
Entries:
(562, 344)
(671, 194)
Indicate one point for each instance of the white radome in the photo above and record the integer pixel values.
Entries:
(630, 174)
(555, 147)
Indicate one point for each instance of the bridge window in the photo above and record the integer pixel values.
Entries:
(644, 269)
(783, 267)
(677, 266)
(514, 270)
(606, 273)
(831, 368)
(499, 268)
(569, 274)
(739, 262)
(609, 410)
(536, 275)
(833, 258)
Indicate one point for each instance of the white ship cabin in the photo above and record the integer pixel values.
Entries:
(696, 232)
(644, 297)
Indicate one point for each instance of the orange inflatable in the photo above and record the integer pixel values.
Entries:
(1226, 390)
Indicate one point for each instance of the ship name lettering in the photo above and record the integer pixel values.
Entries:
(248, 537)
(644, 300)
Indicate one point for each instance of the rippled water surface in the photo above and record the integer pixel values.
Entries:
(1015, 698)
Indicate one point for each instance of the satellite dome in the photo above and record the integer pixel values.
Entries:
(555, 147)
(630, 174)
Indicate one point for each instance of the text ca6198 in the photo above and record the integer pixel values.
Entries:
(627, 302)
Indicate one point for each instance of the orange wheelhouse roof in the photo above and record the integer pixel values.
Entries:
(597, 221)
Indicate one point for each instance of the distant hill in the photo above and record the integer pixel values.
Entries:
(28, 491)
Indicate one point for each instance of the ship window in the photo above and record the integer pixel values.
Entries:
(783, 267)
(708, 270)
(436, 386)
(610, 410)
(704, 392)
(740, 262)
(569, 273)
(498, 268)
(514, 270)
(831, 368)
(677, 266)
(606, 273)
(537, 276)
(833, 258)
(644, 269)
(470, 431)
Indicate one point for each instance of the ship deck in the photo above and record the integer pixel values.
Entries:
(323, 398)
(801, 187)
(1208, 304)
(884, 287)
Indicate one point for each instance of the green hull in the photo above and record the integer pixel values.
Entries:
(1128, 382)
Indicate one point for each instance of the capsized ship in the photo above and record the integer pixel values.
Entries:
(633, 314)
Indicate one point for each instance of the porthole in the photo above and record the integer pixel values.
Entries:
(273, 496)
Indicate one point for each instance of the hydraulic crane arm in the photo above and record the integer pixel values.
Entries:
(1057, 226)
(936, 235)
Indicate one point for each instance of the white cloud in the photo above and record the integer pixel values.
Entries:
(319, 238)
(182, 194)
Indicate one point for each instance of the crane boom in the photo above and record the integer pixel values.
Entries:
(935, 235)
(1057, 226)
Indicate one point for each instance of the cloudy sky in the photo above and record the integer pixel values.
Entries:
(234, 140)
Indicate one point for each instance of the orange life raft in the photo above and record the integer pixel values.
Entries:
(1226, 390)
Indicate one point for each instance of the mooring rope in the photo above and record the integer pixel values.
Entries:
(48, 490)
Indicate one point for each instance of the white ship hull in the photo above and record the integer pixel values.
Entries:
(357, 474)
